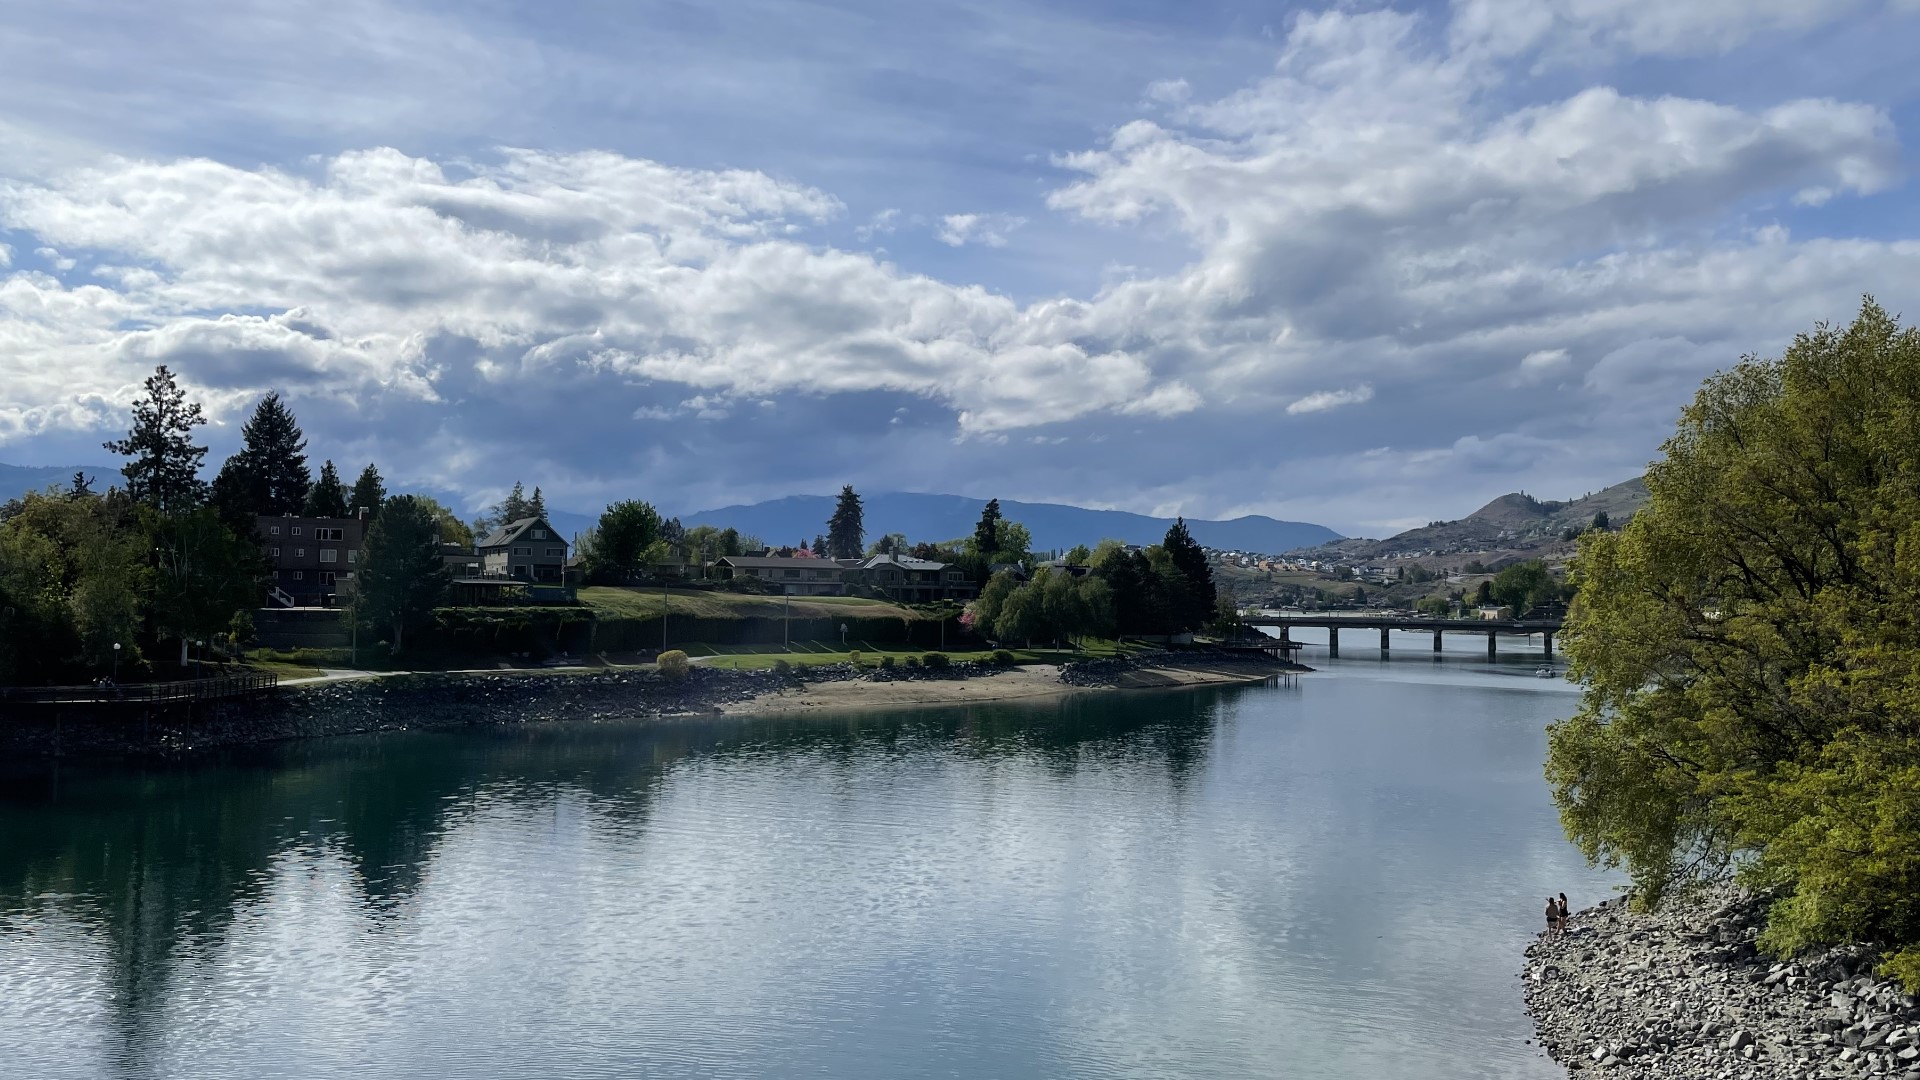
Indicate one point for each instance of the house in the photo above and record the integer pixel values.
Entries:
(912, 581)
(1062, 566)
(794, 577)
(460, 560)
(1490, 612)
(527, 549)
(312, 559)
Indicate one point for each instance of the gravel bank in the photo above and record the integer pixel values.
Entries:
(1684, 993)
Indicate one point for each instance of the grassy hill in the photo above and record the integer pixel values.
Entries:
(1512, 522)
(616, 602)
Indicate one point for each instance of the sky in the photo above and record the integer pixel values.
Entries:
(1364, 265)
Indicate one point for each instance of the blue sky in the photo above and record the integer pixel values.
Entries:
(1365, 265)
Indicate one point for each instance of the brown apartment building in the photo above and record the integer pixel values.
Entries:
(313, 559)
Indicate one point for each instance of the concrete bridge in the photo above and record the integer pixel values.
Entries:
(1333, 624)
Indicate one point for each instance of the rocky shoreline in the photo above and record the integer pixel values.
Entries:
(1684, 993)
(444, 701)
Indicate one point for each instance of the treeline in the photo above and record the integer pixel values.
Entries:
(107, 583)
(1164, 589)
(1749, 647)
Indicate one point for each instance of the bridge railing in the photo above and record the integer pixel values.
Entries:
(238, 684)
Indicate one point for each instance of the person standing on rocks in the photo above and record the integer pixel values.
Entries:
(1564, 913)
(1553, 916)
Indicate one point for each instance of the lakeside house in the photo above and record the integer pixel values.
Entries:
(527, 549)
(897, 577)
(311, 560)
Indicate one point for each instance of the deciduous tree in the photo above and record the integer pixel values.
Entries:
(402, 577)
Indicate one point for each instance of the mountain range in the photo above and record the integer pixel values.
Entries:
(924, 517)
(919, 516)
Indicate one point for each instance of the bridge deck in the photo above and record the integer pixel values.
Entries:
(223, 686)
(1391, 622)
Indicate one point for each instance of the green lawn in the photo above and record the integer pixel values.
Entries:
(641, 603)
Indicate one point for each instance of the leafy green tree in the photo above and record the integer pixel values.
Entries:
(1523, 585)
(1022, 616)
(891, 544)
(402, 577)
(986, 607)
(369, 491)
(328, 497)
(729, 543)
(847, 528)
(1747, 644)
(1096, 608)
(1061, 613)
(452, 529)
(163, 467)
(1016, 543)
(202, 574)
(1599, 521)
(1105, 553)
(1483, 596)
(627, 532)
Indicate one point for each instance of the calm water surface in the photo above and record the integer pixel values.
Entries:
(1333, 879)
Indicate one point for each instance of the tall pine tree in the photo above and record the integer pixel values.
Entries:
(1193, 589)
(369, 492)
(846, 529)
(328, 497)
(164, 465)
(268, 475)
(536, 506)
(986, 535)
(402, 577)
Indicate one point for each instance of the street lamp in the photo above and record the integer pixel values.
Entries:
(116, 661)
(843, 635)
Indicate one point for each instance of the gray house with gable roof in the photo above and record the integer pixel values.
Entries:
(527, 549)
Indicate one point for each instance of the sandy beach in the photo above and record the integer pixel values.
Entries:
(1031, 683)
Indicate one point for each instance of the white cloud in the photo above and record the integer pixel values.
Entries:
(1583, 28)
(1169, 91)
(882, 224)
(1322, 400)
(957, 230)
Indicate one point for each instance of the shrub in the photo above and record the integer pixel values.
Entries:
(936, 661)
(886, 663)
(911, 662)
(1002, 657)
(673, 664)
(854, 658)
(782, 667)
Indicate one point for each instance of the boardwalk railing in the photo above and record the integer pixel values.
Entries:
(239, 684)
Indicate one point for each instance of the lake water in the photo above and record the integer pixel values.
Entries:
(1330, 879)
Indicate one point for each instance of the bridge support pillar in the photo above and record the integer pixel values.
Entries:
(1491, 652)
(1548, 638)
(1436, 640)
(1383, 641)
(1333, 641)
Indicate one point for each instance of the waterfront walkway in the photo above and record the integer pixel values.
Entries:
(220, 687)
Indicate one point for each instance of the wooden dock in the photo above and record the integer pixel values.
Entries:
(218, 688)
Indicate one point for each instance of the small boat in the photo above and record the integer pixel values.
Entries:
(1545, 673)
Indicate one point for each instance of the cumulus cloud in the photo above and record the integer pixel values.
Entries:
(1322, 400)
(1582, 28)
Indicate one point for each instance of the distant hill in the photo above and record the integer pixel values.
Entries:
(17, 480)
(1512, 521)
(1053, 525)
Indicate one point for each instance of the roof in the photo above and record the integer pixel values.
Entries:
(901, 561)
(775, 562)
(512, 530)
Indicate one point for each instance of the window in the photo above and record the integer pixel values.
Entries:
(556, 553)
(523, 551)
(538, 534)
(276, 551)
(329, 555)
(299, 575)
(273, 530)
(326, 577)
(326, 534)
(790, 573)
(299, 553)
(296, 530)
(352, 556)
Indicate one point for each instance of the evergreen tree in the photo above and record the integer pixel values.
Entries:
(327, 498)
(275, 453)
(1599, 521)
(402, 577)
(369, 492)
(536, 506)
(81, 487)
(846, 529)
(820, 545)
(986, 534)
(164, 470)
(1194, 589)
